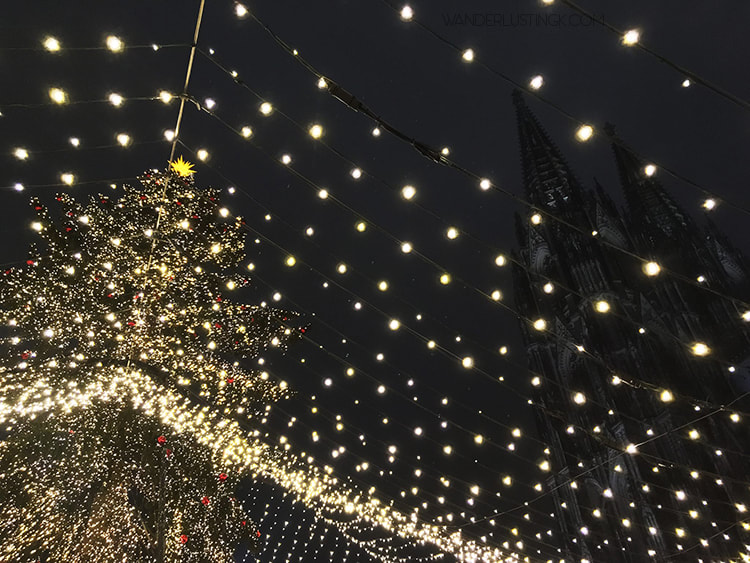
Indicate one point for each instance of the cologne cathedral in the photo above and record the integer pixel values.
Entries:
(635, 332)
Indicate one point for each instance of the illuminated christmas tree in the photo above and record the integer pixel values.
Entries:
(120, 333)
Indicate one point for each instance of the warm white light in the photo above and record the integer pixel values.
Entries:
(246, 132)
(169, 135)
(240, 10)
(584, 133)
(356, 173)
(500, 260)
(485, 184)
(58, 95)
(67, 178)
(651, 269)
(540, 324)
(165, 96)
(75, 141)
(447, 450)
(341, 268)
(700, 349)
(202, 154)
(694, 434)
(479, 439)
(361, 227)
(452, 233)
(394, 324)
(631, 449)
(21, 154)
(548, 287)
(408, 192)
(383, 285)
(381, 389)
(286, 159)
(685, 83)
(468, 55)
(406, 248)
(445, 151)
(467, 362)
(649, 170)
(544, 466)
(602, 306)
(536, 82)
(496, 295)
(445, 279)
(37, 226)
(631, 37)
(51, 44)
(115, 99)
(316, 131)
(579, 398)
(709, 204)
(49, 333)
(18, 186)
(666, 396)
(290, 261)
(210, 103)
(322, 84)
(266, 108)
(375, 132)
(123, 139)
(323, 194)
(216, 248)
(536, 219)
(407, 13)
(115, 44)
(224, 212)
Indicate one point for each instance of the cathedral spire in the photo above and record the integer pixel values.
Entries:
(548, 182)
(651, 208)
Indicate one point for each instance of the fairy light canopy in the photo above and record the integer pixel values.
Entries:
(409, 380)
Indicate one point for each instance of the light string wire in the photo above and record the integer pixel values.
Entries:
(151, 46)
(632, 381)
(23, 105)
(559, 109)
(669, 462)
(661, 58)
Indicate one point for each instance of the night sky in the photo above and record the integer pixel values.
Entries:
(422, 87)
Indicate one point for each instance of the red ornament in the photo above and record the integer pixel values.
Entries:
(169, 452)
(222, 476)
(183, 539)
(38, 207)
(257, 533)
(161, 440)
(29, 262)
(205, 501)
(230, 380)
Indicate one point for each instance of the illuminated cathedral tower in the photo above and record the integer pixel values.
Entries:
(643, 468)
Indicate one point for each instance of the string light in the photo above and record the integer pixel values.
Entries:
(51, 44)
(584, 133)
(631, 37)
(407, 13)
(468, 55)
(115, 99)
(115, 44)
(266, 108)
(58, 95)
(536, 82)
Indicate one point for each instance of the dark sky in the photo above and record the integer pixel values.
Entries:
(423, 88)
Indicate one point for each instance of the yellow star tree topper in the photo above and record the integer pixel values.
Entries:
(182, 167)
